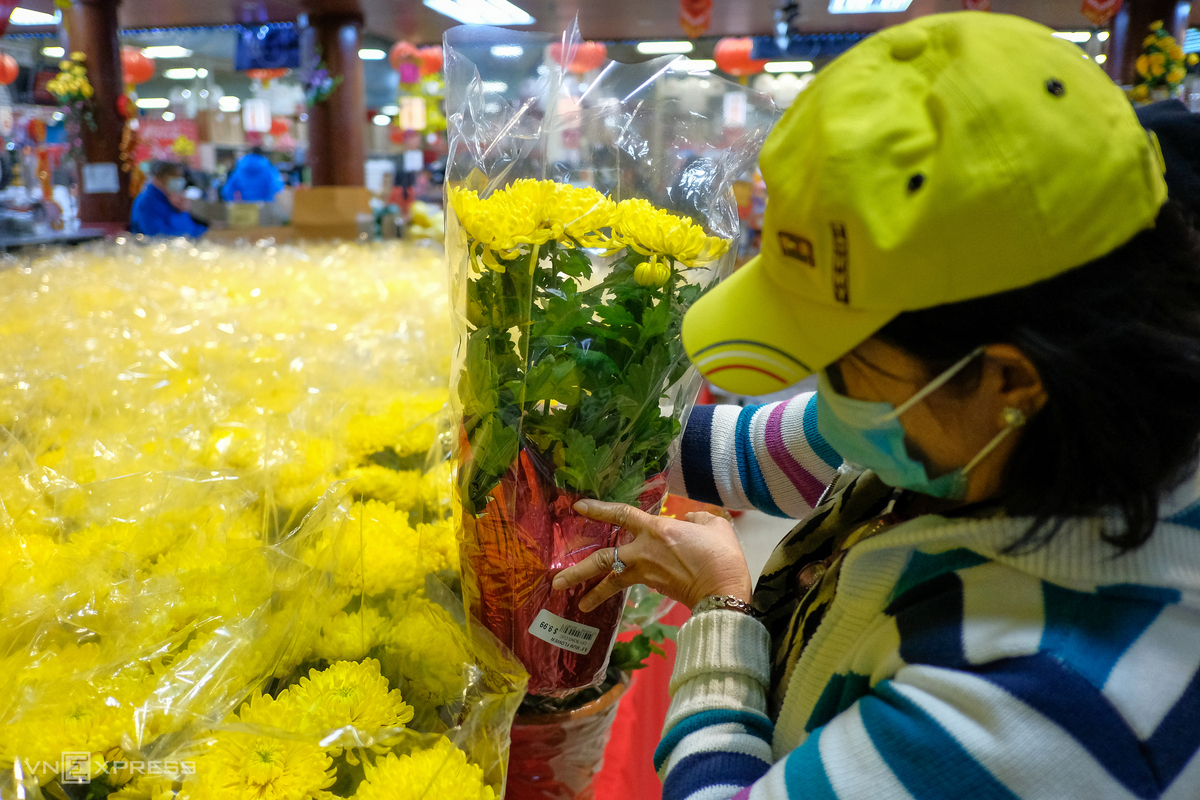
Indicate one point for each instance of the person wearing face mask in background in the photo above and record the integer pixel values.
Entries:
(994, 590)
(161, 208)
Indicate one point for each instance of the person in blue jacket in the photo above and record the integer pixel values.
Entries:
(161, 209)
(253, 180)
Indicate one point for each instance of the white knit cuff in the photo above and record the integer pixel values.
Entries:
(719, 643)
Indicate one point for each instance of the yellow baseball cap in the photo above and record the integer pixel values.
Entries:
(951, 157)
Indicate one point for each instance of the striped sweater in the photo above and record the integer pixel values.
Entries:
(944, 666)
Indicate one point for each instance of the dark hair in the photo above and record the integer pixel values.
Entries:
(165, 169)
(1117, 345)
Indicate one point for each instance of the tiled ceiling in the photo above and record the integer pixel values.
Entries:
(598, 19)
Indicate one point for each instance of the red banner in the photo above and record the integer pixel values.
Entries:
(977, 5)
(155, 137)
(1100, 11)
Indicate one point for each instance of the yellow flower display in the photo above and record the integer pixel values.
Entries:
(243, 766)
(441, 771)
(1162, 65)
(651, 231)
(348, 694)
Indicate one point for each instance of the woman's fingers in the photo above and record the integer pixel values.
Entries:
(602, 591)
(631, 519)
(598, 563)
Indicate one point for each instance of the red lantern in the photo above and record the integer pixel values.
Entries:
(280, 126)
(138, 68)
(397, 135)
(431, 60)
(8, 69)
(695, 16)
(733, 56)
(588, 56)
(402, 53)
(266, 75)
(37, 130)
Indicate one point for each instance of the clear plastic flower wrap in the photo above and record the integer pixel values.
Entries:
(227, 558)
(582, 221)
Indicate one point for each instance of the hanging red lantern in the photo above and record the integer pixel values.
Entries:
(431, 60)
(695, 16)
(732, 55)
(588, 56)
(266, 75)
(405, 59)
(137, 67)
(8, 69)
(397, 135)
(280, 126)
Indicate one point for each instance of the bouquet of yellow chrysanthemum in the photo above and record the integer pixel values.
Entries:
(1162, 64)
(582, 222)
(72, 89)
(226, 536)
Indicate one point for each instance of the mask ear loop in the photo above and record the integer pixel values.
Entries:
(933, 385)
(1014, 418)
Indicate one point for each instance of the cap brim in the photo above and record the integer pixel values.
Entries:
(751, 336)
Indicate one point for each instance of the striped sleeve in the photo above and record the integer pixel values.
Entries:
(768, 457)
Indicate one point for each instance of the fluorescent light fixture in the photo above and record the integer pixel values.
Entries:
(202, 73)
(168, 116)
(229, 103)
(662, 48)
(694, 65)
(481, 12)
(1078, 37)
(153, 102)
(1102, 36)
(54, 52)
(788, 66)
(59, 116)
(507, 51)
(867, 6)
(180, 74)
(27, 16)
(1100, 59)
(166, 51)
(391, 111)
(371, 54)
(498, 87)
(382, 120)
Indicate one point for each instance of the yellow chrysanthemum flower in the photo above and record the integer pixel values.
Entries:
(1157, 64)
(348, 694)
(1176, 53)
(78, 55)
(146, 787)
(1176, 75)
(1193, 59)
(1143, 66)
(429, 651)
(504, 221)
(579, 212)
(1141, 92)
(351, 636)
(242, 766)
(441, 771)
(650, 230)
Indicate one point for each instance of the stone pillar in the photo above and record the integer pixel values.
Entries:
(91, 26)
(336, 135)
(1132, 24)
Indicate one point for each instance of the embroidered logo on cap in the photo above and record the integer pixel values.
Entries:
(797, 247)
(841, 263)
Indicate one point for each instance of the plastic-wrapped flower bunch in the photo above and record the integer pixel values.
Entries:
(225, 532)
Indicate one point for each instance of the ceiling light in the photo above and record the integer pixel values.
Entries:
(391, 111)
(153, 102)
(54, 52)
(166, 51)
(867, 6)
(694, 64)
(662, 48)
(371, 54)
(1078, 37)
(507, 51)
(1102, 36)
(229, 103)
(1100, 59)
(498, 87)
(382, 120)
(168, 116)
(26, 16)
(202, 73)
(481, 12)
(180, 74)
(59, 116)
(789, 66)
(185, 94)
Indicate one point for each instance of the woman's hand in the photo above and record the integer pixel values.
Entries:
(686, 561)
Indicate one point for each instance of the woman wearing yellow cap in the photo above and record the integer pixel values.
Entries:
(998, 594)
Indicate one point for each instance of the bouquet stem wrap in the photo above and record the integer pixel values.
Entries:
(581, 226)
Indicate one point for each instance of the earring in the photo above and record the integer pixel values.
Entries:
(1013, 417)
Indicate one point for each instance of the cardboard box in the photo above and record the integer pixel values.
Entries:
(332, 212)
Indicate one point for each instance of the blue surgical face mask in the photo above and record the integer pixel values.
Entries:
(176, 185)
(870, 435)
